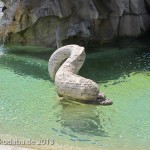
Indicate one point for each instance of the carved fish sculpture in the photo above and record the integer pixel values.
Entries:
(63, 67)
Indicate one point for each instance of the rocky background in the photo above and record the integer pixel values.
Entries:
(52, 23)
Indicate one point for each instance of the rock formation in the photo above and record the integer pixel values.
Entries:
(1, 7)
(68, 83)
(48, 22)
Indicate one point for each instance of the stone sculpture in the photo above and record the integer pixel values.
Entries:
(63, 67)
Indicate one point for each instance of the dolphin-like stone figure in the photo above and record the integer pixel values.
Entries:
(63, 67)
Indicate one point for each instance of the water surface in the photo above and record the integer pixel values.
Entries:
(30, 108)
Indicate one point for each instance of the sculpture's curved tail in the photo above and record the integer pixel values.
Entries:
(73, 54)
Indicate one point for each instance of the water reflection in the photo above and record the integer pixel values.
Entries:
(81, 119)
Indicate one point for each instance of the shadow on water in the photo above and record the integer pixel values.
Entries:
(117, 59)
(108, 62)
(109, 67)
(27, 60)
(30, 51)
(25, 67)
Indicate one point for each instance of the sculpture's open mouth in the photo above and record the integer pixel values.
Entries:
(102, 100)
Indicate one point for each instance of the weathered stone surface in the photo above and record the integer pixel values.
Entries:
(1, 6)
(60, 8)
(144, 21)
(86, 9)
(48, 21)
(147, 2)
(105, 30)
(67, 83)
(115, 24)
(138, 7)
(129, 26)
(63, 67)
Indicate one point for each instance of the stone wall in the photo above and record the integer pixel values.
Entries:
(1, 6)
(49, 22)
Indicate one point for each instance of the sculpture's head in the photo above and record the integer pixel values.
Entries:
(102, 100)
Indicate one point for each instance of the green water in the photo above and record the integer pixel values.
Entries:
(30, 108)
